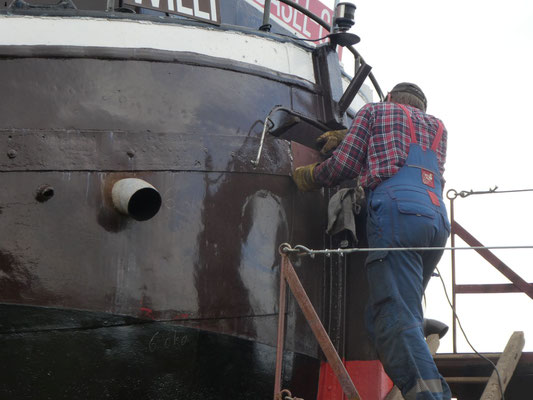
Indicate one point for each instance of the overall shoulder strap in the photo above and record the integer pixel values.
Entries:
(438, 137)
(411, 126)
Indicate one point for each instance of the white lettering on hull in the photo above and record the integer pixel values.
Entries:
(206, 10)
(181, 8)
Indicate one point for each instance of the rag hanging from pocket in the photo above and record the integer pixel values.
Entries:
(342, 209)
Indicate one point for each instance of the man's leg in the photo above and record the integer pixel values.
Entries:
(399, 338)
(430, 259)
(396, 288)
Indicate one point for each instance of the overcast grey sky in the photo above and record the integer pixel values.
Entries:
(473, 59)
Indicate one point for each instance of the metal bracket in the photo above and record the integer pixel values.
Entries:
(353, 88)
(335, 101)
(297, 127)
(343, 39)
(328, 76)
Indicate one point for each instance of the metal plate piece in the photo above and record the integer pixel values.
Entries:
(292, 126)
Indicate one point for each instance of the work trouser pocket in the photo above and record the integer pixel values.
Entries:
(416, 223)
(383, 291)
(378, 223)
(409, 207)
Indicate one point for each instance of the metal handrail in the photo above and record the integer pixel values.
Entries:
(325, 25)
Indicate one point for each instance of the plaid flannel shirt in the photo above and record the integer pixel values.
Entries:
(376, 145)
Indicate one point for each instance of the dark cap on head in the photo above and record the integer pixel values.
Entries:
(411, 88)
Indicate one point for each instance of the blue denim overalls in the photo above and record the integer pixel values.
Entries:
(406, 210)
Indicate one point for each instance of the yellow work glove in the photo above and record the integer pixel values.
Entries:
(304, 179)
(330, 140)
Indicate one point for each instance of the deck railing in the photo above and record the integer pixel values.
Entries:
(358, 59)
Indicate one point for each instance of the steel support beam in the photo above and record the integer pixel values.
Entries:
(488, 288)
(495, 261)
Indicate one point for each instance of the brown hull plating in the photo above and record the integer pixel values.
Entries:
(79, 124)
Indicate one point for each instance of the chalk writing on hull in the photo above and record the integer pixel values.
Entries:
(167, 341)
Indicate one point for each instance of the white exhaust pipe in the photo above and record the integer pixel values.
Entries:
(136, 198)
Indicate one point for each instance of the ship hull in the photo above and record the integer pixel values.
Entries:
(184, 305)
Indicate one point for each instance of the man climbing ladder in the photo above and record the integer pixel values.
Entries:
(398, 152)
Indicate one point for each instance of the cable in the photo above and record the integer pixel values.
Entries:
(468, 341)
(452, 194)
(304, 39)
(301, 250)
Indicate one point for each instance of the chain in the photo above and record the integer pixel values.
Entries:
(286, 395)
(300, 250)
